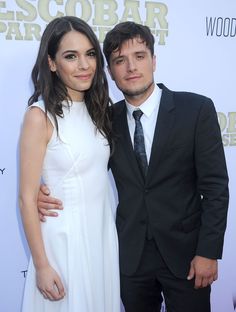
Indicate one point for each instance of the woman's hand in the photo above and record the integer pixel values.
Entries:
(49, 283)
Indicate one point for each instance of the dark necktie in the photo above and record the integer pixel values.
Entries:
(139, 147)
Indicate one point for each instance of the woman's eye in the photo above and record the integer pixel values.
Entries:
(70, 56)
(91, 53)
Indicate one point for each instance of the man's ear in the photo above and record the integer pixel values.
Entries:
(154, 62)
(109, 71)
(52, 64)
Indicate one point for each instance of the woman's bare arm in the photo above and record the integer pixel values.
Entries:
(33, 143)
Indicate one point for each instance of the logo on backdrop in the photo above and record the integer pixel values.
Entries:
(228, 128)
(24, 21)
(220, 26)
(24, 273)
(2, 171)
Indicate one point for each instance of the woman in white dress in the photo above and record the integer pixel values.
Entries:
(66, 141)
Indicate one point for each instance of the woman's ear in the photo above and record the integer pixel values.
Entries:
(52, 64)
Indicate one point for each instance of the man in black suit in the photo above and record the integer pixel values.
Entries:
(172, 182)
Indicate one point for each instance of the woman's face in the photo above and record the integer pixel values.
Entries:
(75, 64)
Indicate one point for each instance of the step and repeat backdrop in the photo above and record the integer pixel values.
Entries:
(195, 49)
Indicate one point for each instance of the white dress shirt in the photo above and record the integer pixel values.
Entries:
(149, 118)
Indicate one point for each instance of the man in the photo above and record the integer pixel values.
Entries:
(172, 183)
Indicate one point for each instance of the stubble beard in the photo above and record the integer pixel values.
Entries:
(136, 93)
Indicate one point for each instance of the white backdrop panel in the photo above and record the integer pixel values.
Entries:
(195, 52)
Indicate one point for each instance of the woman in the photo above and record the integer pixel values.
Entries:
(66, 140)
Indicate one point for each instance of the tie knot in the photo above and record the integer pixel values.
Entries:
(137, 114)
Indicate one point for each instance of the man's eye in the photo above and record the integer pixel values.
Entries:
(119, 61)
(140, 56)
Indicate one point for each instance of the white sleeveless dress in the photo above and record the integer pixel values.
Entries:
(81, 243)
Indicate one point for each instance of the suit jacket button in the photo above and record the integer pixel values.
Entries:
(143, 222)
(146, 190)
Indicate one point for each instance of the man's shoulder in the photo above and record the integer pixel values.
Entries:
(190, 96)
(182, 94)
(185, 98)
(117, 107)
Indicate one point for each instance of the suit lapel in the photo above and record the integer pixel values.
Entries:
(125, 142)
(163, 128)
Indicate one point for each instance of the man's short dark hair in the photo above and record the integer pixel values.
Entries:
(123, 32)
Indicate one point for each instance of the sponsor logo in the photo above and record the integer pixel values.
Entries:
(23, 22)
(24, 273)
(220, 26)
(2, 171)
(228, 128)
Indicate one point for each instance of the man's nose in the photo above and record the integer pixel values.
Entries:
(131, 64)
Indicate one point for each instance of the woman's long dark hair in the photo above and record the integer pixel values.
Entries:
(49, 87)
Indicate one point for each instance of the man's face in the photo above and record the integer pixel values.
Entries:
(132, 69)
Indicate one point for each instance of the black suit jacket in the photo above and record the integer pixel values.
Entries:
(184, 197)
